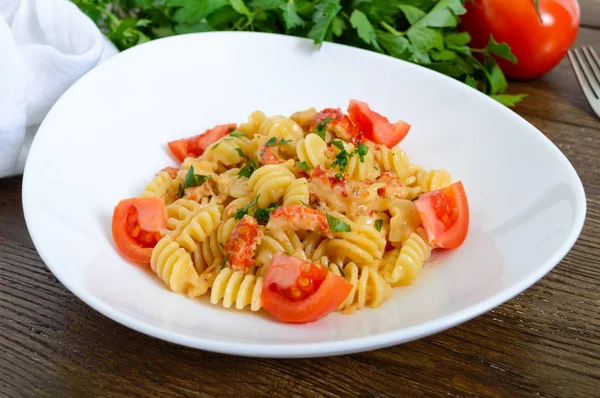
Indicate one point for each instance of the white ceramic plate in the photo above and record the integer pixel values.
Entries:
(105, 138)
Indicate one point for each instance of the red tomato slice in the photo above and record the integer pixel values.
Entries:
(445, 216)
(297, 291)
(136, 226)
(376, 127)
(195, 146)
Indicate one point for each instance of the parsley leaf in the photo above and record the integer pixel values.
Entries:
(273, 141)
(248, 169)
(325, 11)
(338, 144)
(508, 100)
(304, 166)
(224, 262)
(362, 150)
(341, 270)
(364, 28)
(501, 50)
(194, 180)
(336, 225)
(338, 175)
(180, 191)
(244, 210)
(321, 128)
(263, 215)
(240, 152)
(341, 160)
(237, 134)
(378, 224)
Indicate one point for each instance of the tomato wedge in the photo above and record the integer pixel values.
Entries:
(136, 226)
(297, 291)
(445, 215)
(195, 146)
(376, 127)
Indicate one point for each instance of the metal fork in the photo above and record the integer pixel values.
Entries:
(586, 64)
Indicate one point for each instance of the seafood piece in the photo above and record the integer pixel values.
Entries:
(299, 217)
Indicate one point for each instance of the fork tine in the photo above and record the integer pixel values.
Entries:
(588, 72)
(594, 61)
(594, 76)
(579, 73)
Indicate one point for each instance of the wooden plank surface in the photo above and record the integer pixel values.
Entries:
(545, 342)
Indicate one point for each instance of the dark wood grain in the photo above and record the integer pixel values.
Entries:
(545, 342)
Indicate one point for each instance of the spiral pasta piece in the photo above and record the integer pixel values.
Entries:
(363, 244)
(270, 182)
(405, 220)
(227, 151)
(363, 169)
(233, 287)
(174, 266)
(369, 288)
(179, 214)
(296, 193)
(432, 180)
(204, 223)
(412, 256)
(252, 126)
(284, 128)
(160, 185)
(312, 150)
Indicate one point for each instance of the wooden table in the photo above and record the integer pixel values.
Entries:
(544, 342)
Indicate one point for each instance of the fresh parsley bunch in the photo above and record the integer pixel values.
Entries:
(424, 32)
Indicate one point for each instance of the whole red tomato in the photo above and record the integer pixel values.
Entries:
(538, 45)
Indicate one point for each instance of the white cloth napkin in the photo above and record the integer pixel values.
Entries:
(45, 46)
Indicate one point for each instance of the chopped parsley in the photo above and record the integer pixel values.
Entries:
(338, 175)
(263, 215)
(321, 128)
(273, 141)
(194, 180)
(378, 224)
(304, 166)
(215, 146)
(415, 198)
(248, 169)
(341, 160)
(240, 152)
(237, 134)
(225, 260)
(362, 150)
(341, 270)
(231, 129)
(244, 210)
(336, 225)
(338, 144)
(180, 191)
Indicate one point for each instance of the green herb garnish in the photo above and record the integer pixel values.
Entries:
(338, 144)
(224, 262)
(336, 225)
(237, 134)
(194, 180)
(244, 210)
(273, 141)
(263, 215)
(378, 224)
(341, 160)
(180, 191)
(425, 32)
(415, 198)
(361, 150)
(240, 152)
(322, 126)
(248, 169)
(339, 176)
(304, 166)
(341, 270)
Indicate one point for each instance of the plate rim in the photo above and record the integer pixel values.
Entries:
(307, 350)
